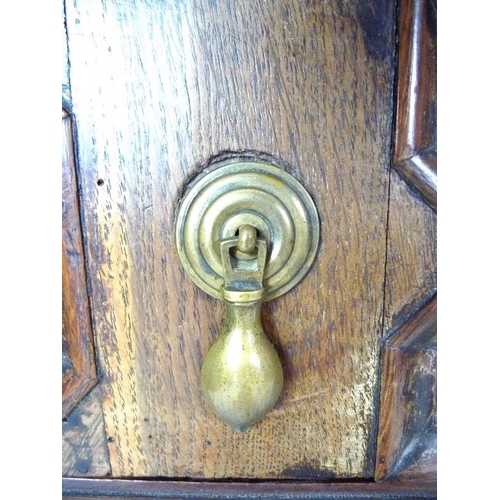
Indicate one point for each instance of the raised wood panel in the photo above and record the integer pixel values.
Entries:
(407, 440)
(158, 89)
(84, 442)
(78, 366)
(415, 148)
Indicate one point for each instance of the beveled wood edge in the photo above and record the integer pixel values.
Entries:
(82, 377)
(413, 158)
(416, 333)
(74, 488)
(415, 327)
(75, 388)
(419, 171)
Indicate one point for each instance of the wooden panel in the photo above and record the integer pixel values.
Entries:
(407, 440)
(411, 255)
(416, 112)
(120, 489)
(158, 89)
(407, 444)
(84, 443)
(78, 367)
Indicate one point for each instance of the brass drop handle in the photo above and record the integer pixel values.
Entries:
(241, 375)
(247, 232)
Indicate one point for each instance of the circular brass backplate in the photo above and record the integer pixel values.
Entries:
(238, 192)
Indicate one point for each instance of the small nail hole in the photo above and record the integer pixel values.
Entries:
(100, 182)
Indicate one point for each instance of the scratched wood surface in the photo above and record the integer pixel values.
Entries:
(84, 443)
(159, 88)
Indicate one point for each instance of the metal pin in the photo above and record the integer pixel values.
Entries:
(247, 238)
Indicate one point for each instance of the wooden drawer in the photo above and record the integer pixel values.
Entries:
(157, 91)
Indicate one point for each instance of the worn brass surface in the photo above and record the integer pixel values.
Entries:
(220, 201)
(247, 239)
(246, 232)
(241, 376)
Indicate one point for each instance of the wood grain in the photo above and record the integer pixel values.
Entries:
(411, 270)
(140, 490)
(415, 148)
(158, 89)
(407, 445)
(407, 440)
(84, 443)
(78, 366)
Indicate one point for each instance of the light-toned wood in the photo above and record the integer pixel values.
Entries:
(84, 444)
(159, 88)
(78, 366)
(66, 91)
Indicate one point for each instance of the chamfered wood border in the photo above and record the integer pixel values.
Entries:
(415, 141)
(406, 445)
(79, 374)
(115, 489)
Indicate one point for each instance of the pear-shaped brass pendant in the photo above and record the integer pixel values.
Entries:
(241, 376)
